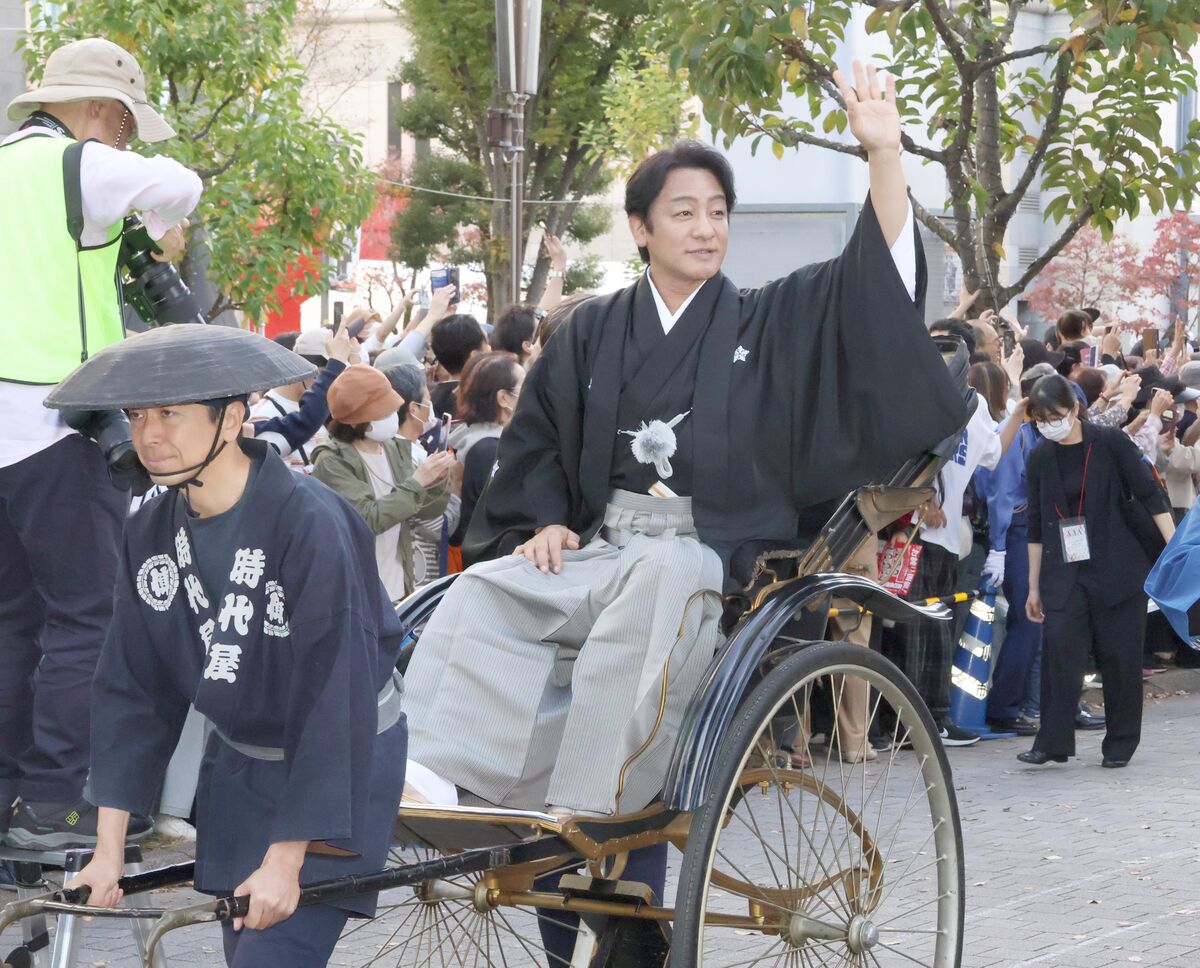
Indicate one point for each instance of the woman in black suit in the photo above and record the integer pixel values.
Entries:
(1086, 570)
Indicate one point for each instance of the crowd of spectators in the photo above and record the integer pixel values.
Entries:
(1082, 448)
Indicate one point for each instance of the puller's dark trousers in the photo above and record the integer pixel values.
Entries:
(1087, 625)
(60, 531)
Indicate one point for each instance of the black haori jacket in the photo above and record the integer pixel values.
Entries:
(813, 385)
(291, 654)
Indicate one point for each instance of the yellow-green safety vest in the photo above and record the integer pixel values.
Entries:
(44, 336)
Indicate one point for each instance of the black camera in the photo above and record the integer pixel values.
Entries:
(159, 296)
(154, 289)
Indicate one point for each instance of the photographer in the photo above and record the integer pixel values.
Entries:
(60, 515)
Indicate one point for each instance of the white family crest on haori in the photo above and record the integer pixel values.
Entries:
(157, 582)
(223, 661)
(276, 622)
(655, 443)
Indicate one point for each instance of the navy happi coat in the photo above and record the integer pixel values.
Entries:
(292, 654)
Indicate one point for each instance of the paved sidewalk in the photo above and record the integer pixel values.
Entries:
(1067, 866)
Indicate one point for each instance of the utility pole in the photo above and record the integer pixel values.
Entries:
(518, 39)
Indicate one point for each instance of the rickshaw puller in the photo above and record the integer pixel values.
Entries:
(252, 593)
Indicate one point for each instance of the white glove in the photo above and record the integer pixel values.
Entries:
(993, 569)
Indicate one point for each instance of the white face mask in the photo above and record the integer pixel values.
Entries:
(385, 429)
(1056, 429)
(429, 424)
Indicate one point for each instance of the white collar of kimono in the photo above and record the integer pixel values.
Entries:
(665, 315)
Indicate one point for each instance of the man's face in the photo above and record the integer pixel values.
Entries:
(171, 438)
(687, 230)
(113, 124)
(986, 341)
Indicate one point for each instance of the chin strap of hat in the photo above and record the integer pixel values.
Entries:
(216, 447)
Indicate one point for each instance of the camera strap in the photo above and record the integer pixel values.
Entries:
(73, 196)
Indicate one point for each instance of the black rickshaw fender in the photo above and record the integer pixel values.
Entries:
(735, 668)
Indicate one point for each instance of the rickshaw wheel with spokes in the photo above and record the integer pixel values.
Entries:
(836, 858)
(453, 922)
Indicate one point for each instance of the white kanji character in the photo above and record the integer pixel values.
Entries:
(275, 610)
(248, 566)
(195, 593)
(183, 551)
(206, 634)
(238, 609)
(223, 662)
(160, 582)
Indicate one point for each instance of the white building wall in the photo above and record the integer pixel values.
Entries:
(351, 49)
(12, 68)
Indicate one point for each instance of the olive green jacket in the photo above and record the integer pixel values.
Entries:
(340, 466)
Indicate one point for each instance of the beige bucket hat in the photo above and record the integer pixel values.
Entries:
(94, 68)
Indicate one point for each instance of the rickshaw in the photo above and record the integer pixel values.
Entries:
(796, 849)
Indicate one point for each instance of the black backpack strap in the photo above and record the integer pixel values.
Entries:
(73, 195)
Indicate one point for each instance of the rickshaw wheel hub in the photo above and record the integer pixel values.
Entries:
(862, 935)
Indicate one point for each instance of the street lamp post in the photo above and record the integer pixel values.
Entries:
(518, 39)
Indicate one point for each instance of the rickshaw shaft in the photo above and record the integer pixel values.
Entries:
(587, 905)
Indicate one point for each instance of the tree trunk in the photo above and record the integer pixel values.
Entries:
(988, 236)
(194, 270)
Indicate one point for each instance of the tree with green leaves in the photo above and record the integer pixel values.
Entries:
(278, 184)
(605, 101)
(1080, 113)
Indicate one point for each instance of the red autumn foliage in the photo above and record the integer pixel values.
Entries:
(1088, 272)
(1174, 254)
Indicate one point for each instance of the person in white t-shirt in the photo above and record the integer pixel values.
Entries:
(925, 650)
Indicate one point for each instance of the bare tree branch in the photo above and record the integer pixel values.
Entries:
(208, 173)
(212, 118)
(953, 43)
(1050, 128)
(1010, 24)
(985, 65)
(220, 305)
(924, 151)
(820, 71)
(1055, 248)
(931, 221)
(803, 137)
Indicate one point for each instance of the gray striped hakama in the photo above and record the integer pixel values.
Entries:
(533, 689)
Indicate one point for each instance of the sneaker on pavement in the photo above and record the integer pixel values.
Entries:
(38, 825)
(174, 828)
(953, 736)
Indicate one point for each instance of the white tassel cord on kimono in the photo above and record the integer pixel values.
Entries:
(655, 443)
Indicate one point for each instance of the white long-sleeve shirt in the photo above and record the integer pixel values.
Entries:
(112, 184)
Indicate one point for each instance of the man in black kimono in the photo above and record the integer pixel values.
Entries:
(253, 594)
(669, 433)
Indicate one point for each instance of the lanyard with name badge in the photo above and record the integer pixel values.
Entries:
(1073, 531)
